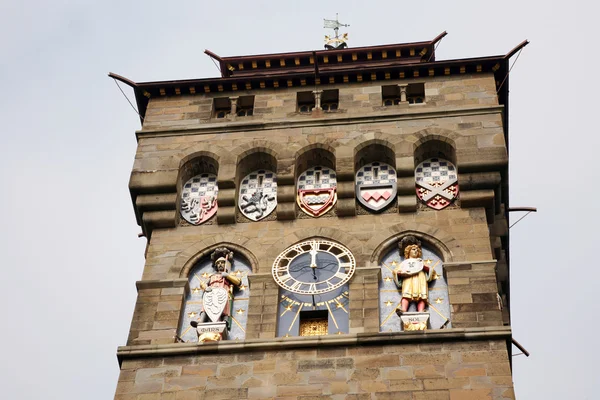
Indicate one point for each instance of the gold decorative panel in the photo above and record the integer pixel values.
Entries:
(313, 327)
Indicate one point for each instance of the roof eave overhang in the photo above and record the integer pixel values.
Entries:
(324, 75)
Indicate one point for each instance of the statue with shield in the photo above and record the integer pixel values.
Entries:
(214, 321)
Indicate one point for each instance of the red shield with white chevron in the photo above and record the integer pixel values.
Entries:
(376, 185)
(436, 183)
(317, 190)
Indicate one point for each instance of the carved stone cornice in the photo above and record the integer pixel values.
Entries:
(282, 343)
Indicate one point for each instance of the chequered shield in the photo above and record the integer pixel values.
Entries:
(437, 183)
(199, 198)
(258, 194)
(214, 302)
(376, 185)
(317, 190)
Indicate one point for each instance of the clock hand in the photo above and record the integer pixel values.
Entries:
(313, 258)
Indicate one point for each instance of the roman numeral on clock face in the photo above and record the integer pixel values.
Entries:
(341, 274)
(296, 285)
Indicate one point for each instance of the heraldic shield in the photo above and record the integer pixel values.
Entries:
(199, 198)
(258, 194)
(214, 302)
(317, 191)
(376, 185)
(437, 183)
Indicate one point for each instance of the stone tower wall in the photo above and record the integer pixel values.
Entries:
(469, 361)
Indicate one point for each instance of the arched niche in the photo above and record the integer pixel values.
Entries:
(434, 148)
(390, 296)
(196, 175)
(256, 171)
(200, 272)
(436, 175)
(315, 156)
(375, 179)
(316, 181)
(372, 153)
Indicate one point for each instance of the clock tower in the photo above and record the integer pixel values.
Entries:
(323, 225)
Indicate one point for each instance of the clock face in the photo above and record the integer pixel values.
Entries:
(314, 266)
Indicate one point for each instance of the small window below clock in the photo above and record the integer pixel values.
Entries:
(314, 323)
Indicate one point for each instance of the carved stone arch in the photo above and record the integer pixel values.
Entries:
(315, 154)
(255, 155)
(336, 235)
(444, 243)
(257, 146)
(186, 260)
(311, 146)
(371, 138)
(381, 149)
(217, 153)
(425, 135)
(434, 142)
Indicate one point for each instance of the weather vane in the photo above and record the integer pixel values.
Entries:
(337, 42)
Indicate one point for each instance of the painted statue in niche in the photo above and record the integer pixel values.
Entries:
(214, 321)
(412, 276)
(437, 306)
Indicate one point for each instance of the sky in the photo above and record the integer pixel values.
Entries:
(69, 249)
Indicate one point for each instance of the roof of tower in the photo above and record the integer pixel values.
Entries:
(327, 60)
(310, 68)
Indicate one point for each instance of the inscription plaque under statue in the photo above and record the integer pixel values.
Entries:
(414, 321)
(212, 331)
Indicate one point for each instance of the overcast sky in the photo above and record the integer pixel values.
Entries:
(69, 249)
